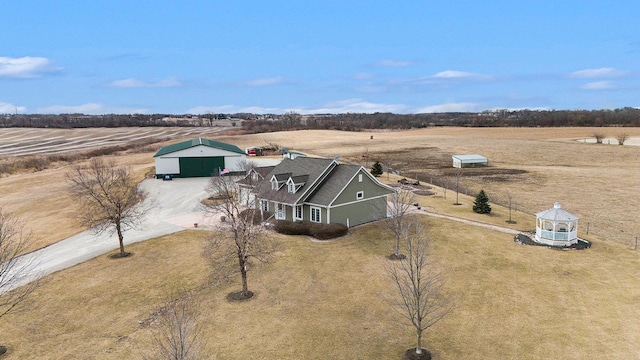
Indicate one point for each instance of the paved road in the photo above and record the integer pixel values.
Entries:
(174, 207)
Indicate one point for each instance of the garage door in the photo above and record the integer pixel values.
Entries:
(200, 166)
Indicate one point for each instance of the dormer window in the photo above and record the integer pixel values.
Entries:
(294, 183)
(274, 184)
(292, 187)
(254, 176)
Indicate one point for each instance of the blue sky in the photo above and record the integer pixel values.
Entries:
(196, 57)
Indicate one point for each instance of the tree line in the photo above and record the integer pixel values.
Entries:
(260, 123)
(497, 118)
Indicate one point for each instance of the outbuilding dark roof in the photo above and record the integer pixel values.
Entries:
(197, 142)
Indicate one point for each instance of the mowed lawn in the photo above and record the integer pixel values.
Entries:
(325, 300)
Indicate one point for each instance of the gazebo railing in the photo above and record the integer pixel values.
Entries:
(557, 235)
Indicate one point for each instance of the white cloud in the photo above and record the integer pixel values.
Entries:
(454, 74)
(394, 63)
(89, 108)
(263, 81)
(7, 108)
(230, 109)
(25, 67)
(363, 76)
(355, 106)
(449, 107)
(336, 107)
(599, 85)
(136, 83)
(598, 73)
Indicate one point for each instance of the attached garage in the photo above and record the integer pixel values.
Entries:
(199, 158)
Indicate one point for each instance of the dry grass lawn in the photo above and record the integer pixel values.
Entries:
(322, 300)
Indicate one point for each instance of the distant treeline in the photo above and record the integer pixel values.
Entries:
(252, 123)
(68, 121)
(500, 118)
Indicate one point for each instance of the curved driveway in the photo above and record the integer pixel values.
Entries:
(175, 206)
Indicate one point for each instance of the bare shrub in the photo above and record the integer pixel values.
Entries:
(622, 138)
(599, 137)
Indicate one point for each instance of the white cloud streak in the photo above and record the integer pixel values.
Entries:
(25, 67)
(449, 107)
(599, 85)
(136, 83)
(8, 108)
(605, 72)
(394, 63)
(263, 82)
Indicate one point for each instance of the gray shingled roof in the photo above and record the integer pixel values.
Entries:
(339, 178)
(300, 166)
(262, 173)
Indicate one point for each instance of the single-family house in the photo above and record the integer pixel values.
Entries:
(322, 191)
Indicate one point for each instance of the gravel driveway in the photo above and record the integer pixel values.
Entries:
(175, 207)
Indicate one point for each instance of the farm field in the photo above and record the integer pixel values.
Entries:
(321, 300)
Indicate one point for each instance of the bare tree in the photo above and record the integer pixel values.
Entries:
(422, 299)
(622, 138)
(109, 197)
(599, 137)
(511, 206)
(398, 207)
(240, 234)
(17, 277)
(175, 334)
(458, 178)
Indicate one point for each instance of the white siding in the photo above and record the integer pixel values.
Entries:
(167, 165)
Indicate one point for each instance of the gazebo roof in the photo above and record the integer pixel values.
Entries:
(556, 214)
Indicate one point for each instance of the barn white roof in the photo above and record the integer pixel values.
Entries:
(470, 158)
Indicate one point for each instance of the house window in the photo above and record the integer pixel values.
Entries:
(298, 212)
(264, 205)
(274, 185)
(359, 177)
(254, 176)
(280, 213)
(360, 195)
(315, 214)
(292, 187)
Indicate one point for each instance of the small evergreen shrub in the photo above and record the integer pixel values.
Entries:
(481, 204)
(376, 169)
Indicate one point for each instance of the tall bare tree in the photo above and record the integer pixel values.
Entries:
(176, 334)
(17, 274)
(241, 235)
(422, 299)
(400, 204)
(458, 178)
(109, 197)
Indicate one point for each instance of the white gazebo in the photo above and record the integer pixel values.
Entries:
(556, 227)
